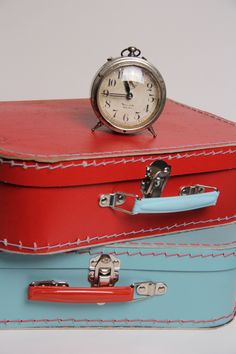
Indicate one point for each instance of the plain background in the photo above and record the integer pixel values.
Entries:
(52, 49)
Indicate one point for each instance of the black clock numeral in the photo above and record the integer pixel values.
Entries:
(119, 74)
(151, 98)
(105, 92)
(112, 82)
(125, 117)
(147, 108)
(115, 110)
(107, 104)
(137, 115)
(149, 86)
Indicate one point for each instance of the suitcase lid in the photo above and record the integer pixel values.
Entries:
(202, 250)
(50, 143)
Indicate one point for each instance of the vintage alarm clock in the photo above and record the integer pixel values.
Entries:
(128, 93)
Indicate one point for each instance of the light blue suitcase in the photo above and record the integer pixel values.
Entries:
(181, 280)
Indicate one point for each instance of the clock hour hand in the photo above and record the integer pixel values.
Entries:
(115, 94)
(127, 88)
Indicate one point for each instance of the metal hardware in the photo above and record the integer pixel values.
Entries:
(131, 52)
(157, 175)
(112, 199)
(151, 289)
(152, 131)
(49, 283)
(104, 270)
(195, 189)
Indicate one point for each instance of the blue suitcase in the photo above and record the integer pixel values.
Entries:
(181, 280)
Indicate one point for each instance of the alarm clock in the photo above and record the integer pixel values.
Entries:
(128, 93)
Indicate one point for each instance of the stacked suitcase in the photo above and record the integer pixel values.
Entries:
(100, 229)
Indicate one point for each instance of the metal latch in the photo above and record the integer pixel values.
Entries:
(104, 270)
(151, 289)
(157, 175)
(188, 190)
(196, 189)
(49, 283)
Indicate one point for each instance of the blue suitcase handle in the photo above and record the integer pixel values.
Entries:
(158, 205)
(175, 204)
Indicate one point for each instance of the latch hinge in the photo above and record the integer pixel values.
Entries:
(157, 175)
(104, 270)
(150, 288)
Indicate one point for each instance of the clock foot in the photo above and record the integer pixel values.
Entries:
(98, 125)
(152, 131)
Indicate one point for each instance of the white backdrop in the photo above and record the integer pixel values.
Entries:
(52, 49)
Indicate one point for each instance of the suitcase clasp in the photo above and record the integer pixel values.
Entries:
(157, 175)
(104, 270)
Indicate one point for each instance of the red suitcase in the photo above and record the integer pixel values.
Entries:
(64, 187)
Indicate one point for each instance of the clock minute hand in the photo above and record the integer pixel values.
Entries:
(127, 88)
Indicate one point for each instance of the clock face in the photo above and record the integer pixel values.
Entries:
(129, 97)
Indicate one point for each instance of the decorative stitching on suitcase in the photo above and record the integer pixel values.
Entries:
(165, 254)
(177, 244)
(204, 113)
(90, 239)
(94, 163)
(125, 320)
(118, 151)
(211, 115)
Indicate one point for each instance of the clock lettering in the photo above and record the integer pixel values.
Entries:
(107, 104)
(112, 82)
(151, 98)
(105, 92)
(147, 108)
(137, 115)
(149, 86)
(115, 110)
(125, 117)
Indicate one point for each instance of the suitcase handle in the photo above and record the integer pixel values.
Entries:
(174, 204)
(69, 294)
(52, 291)
(191, 198)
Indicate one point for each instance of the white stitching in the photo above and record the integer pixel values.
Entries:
(165, 254)
(210, 115)
(134, 232)
(173, 244)
(137, 152)
(114, 321)
(94, 163)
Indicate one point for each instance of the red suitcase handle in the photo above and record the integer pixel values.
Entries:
(81, 295)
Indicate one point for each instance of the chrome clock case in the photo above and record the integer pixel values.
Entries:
(129, 57)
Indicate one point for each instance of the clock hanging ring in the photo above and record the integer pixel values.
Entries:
(128, 94)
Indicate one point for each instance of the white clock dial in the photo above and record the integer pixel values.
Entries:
(128, 97)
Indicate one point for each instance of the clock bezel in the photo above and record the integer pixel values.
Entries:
(114, 64)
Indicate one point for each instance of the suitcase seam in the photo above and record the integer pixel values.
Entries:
(204, 113)
(94, 163)
(232, 314)
(165, 254)
(208, 114)
(158, 150)
(90, 239)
